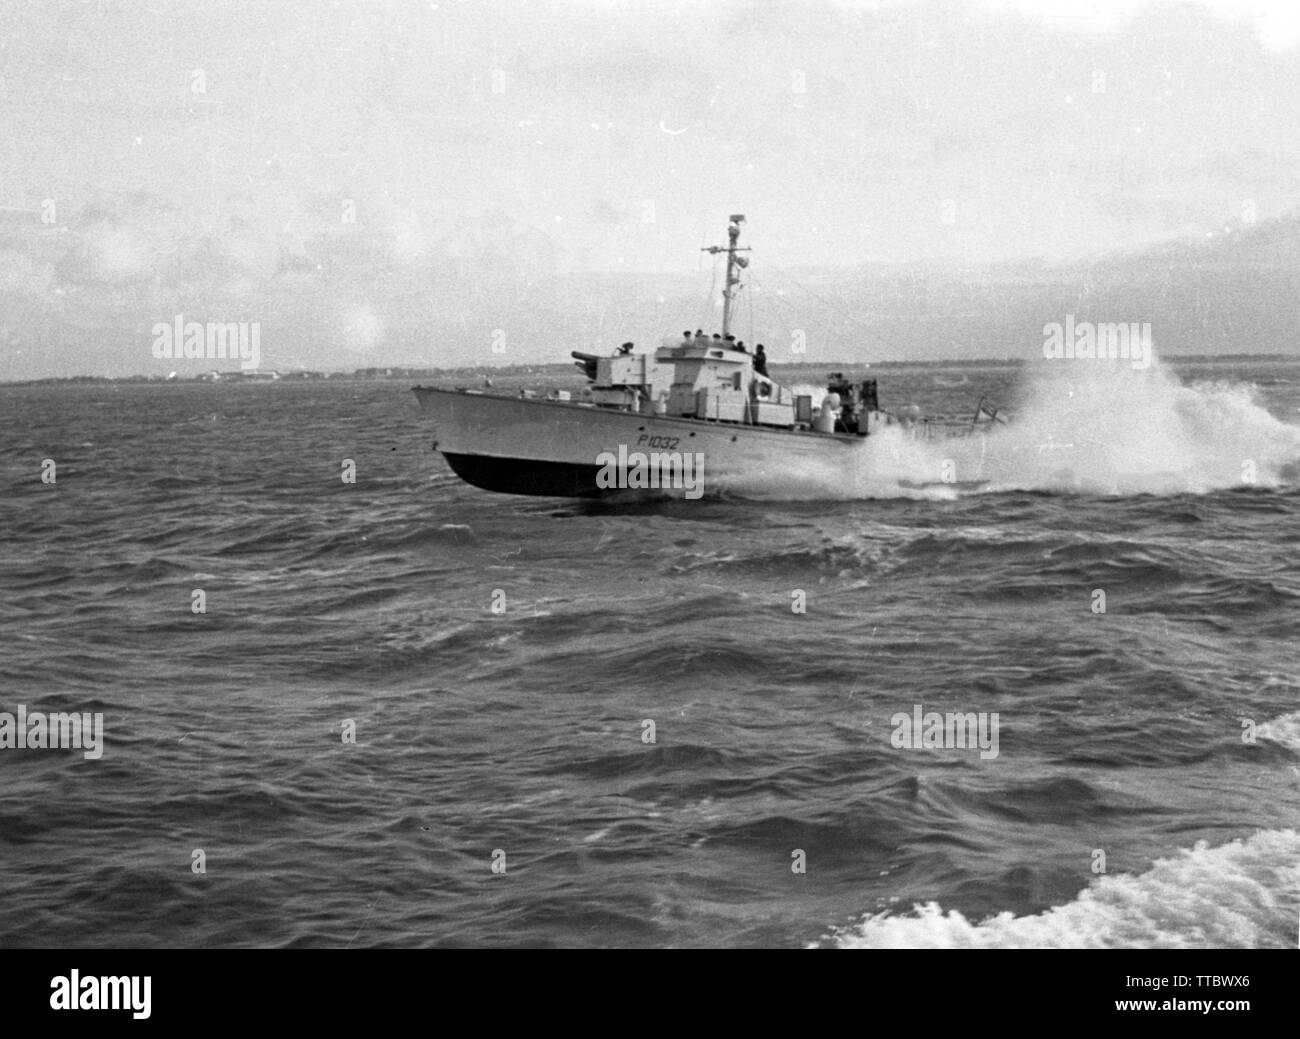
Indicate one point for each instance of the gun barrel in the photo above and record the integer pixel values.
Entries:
(587, 362)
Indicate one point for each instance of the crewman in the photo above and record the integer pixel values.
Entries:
(760, 360)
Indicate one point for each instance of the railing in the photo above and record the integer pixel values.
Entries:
(932, 427)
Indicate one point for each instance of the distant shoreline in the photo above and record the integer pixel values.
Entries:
(400, 374)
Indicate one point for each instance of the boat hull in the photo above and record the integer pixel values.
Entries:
(518, 445)
(527, 476)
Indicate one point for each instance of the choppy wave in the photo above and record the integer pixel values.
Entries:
(1284, 731)
(501, 659)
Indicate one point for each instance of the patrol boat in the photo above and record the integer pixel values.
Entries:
(695, 417)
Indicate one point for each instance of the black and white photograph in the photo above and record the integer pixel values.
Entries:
(647, 474)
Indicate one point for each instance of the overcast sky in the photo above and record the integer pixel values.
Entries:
(216, 146)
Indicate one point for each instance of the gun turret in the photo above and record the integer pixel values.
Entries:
(586, 362)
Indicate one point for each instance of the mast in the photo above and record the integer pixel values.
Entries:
(733, 262)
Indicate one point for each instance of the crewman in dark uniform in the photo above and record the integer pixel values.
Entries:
(760, 360)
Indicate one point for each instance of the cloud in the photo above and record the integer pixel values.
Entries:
(371, 151)
(606, 213)
(22, 274)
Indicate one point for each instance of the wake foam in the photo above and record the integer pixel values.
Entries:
(1104, 427)
(1099, 427)
(879, 466)
(1244, 894)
